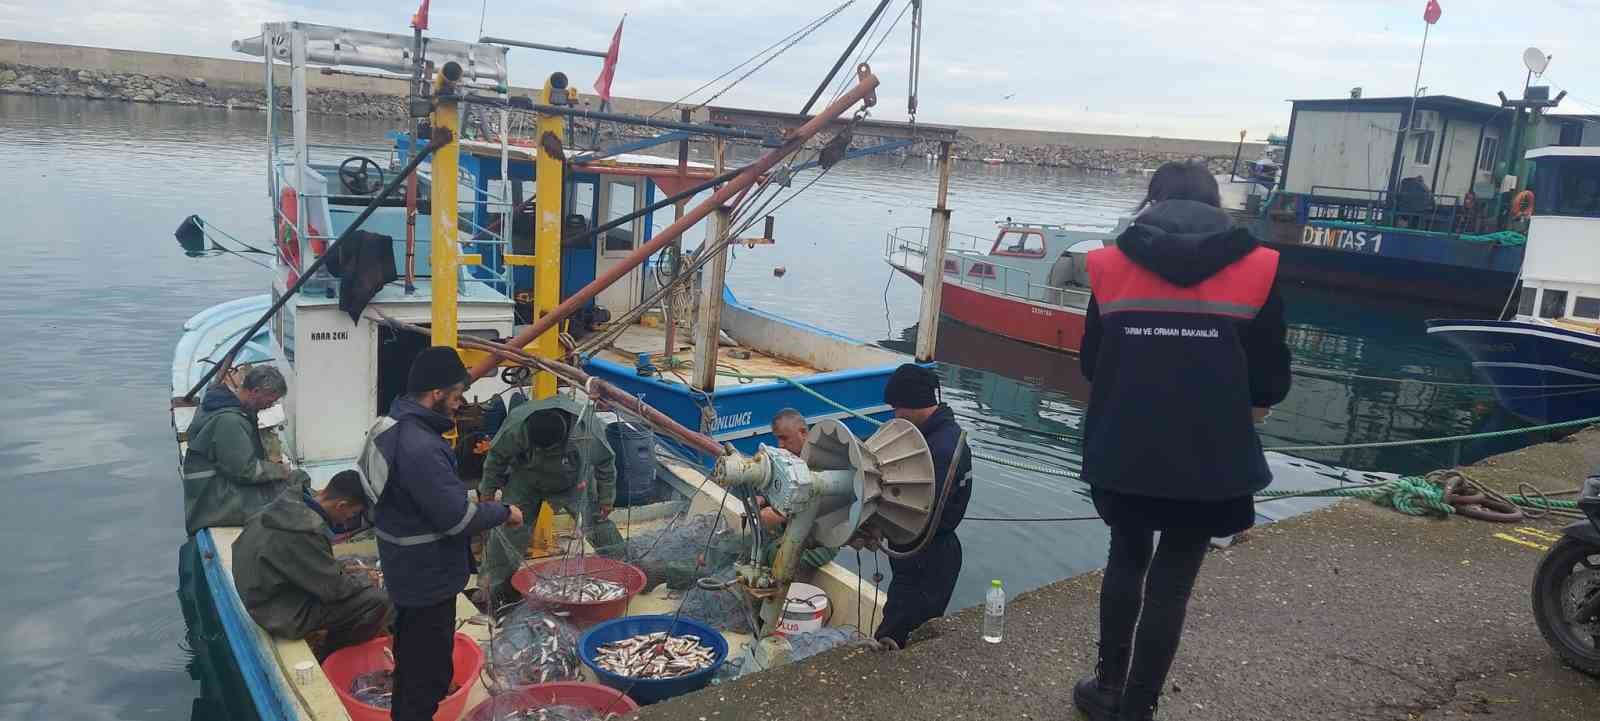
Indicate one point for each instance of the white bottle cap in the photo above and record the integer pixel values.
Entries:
(304, 672)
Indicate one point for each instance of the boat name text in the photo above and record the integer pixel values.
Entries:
(1358, 241)
(734, 420)
(330, 335)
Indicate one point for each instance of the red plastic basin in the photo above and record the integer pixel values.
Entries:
(344, 665)
(583, 614)
(592, 696)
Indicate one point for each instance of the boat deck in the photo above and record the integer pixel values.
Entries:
(731, 360)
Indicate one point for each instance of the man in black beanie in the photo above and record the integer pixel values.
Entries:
(424, 525)
(923, 583)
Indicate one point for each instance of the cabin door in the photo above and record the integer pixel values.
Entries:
(619, 197)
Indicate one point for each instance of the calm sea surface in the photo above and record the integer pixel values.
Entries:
(96, 292)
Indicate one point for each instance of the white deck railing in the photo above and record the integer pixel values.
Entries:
(967, 263)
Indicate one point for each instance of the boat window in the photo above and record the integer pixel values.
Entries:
(1567, 186)
(1019, 243)
(1424, 147)
(1553, 304)
(1489, 155)
(620, 202)
(1525, 301)
(1586, 307)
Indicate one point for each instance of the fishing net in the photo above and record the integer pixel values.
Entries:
(531, 646)
(678, 555)
(802, 646)
(725, 610)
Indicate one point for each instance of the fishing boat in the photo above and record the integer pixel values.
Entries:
(1029, 283)
(1399, 197)
(456, 269)
(1545, 361)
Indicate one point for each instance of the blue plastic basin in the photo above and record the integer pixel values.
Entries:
(648, 691)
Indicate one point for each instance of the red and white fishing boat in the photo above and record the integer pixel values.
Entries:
(1028, 283)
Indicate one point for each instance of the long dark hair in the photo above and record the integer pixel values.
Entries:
(1185, 180)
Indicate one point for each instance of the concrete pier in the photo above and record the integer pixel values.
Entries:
(1352, 612)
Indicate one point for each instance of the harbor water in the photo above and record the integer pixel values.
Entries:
(97, 291)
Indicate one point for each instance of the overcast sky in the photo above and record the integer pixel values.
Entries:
(1186, 68)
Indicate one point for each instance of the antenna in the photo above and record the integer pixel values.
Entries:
(1536, 61)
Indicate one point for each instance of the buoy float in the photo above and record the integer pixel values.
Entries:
(1522, 204)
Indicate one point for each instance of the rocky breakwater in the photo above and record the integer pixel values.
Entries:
(1109, 160)
(137, 87)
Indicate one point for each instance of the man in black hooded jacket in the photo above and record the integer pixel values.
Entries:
(923, 583)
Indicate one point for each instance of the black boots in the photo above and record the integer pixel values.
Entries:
(1100, 696)
(1098, 701)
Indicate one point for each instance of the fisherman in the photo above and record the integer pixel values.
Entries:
(290, 581)
(553, 451)
(789, 428)
(424, 523)
(923, 583)
(226, 473)
(1185, 317)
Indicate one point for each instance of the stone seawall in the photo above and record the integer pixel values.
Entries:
(123, 75)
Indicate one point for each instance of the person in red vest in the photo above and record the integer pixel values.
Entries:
(1184, 345)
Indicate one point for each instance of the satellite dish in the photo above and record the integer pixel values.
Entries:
(1536, 60)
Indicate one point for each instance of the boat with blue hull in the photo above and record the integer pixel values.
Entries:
(1545, 361)
(476, 258)
(1333, 240)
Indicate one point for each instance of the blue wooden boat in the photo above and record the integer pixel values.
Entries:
(345, 365)
(1545, 362)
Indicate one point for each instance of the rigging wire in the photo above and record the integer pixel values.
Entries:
(773, 57)
(807, 29)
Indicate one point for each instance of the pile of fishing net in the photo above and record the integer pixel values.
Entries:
(678, 555)
(531, 646)
(802, 646)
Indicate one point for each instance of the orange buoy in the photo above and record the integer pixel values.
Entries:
(1522, 204)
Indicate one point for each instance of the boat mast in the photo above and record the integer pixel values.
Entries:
(549, 183)
(933, 262)
(445, 256)
(709, 327)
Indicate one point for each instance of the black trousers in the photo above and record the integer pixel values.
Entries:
(921, 588)
(1143, 601)
(424, 637)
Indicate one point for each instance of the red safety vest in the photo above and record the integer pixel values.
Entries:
(1237, 291)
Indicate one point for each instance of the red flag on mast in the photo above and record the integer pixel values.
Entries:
(419, 21)
(602, 84)
(1431, 13)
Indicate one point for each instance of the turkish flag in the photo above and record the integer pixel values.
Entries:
(602, 84)
(1431, 12)
(419, 21)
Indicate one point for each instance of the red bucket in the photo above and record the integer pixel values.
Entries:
(593, 696)
(344, 665)
(583, 614)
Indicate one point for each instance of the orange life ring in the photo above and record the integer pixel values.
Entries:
(1522, 204)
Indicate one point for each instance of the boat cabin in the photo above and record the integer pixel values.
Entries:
(1561, 267)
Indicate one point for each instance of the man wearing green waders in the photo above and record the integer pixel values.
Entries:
(548, 451)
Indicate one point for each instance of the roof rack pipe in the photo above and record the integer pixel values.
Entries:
(542, 46)
(864, 91)
(720, 131)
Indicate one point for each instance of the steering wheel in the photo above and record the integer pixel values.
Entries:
(357, 173)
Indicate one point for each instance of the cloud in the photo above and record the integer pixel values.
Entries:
(1202, 68)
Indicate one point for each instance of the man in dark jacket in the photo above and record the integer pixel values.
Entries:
(290, 581)
(1184, 344)
(226, 474)
(549, 451)
(424, 525)
(922, 584)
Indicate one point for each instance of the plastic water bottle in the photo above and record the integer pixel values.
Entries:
(994, 612)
